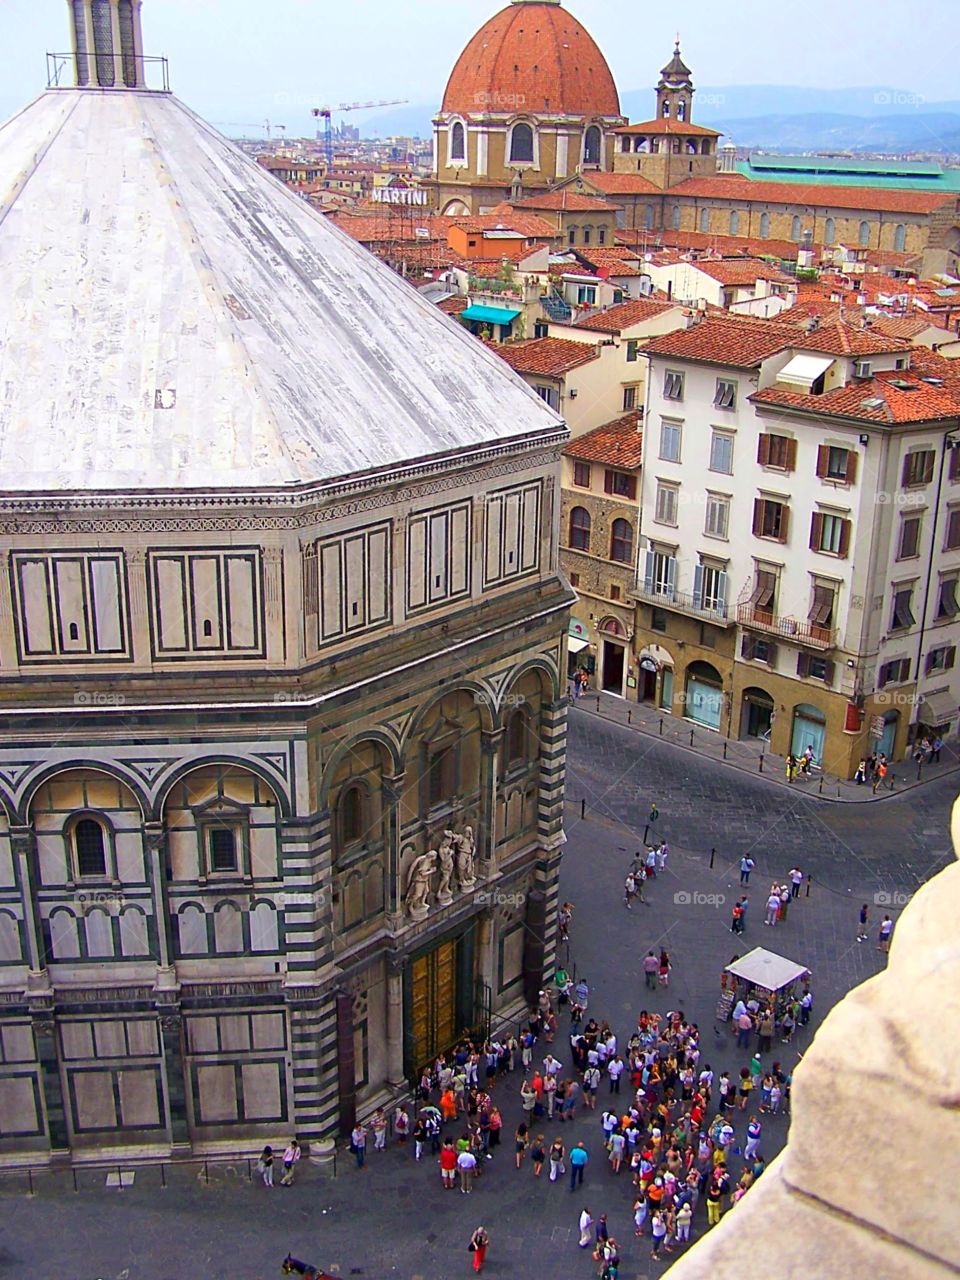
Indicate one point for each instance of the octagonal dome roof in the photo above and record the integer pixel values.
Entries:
(533, 57)
(173, 317)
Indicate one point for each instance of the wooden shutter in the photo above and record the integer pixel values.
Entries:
(697, 586)
(928, 665)
(763, 450)
(747, 647)
(791, 461)
(771, 653)
(851, 475)
(816, 530)
(927, 466)
(823, 460)
(784, 522)
(905, 477)
(950, 657)
(883, 675)
(758, 505)
(803, 664)
(608, 482)
(829, 668)
(631, 488)
(845, 527)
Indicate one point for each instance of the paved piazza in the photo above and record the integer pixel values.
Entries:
(392, 1219)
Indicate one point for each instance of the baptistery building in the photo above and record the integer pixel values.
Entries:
(281, 645)
(530, 101)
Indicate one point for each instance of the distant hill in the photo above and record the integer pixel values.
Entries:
(776, 117)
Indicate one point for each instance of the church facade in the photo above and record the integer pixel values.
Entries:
(282, 637)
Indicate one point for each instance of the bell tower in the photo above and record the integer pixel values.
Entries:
(107, 43)
(675, 90)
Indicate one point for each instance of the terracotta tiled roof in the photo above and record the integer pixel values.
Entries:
(808, 308)
(732, 271)
(453, 306)
(537, 54)
(669, 125)
(513, 251)
(904, 326)
(835, 337)
(528, 224)
(566, 201)
(617, 444)
(612, 262)
(624, 184)
(724, 341)
(550, 357)
(735, 187)
(872, 400)
(368, 228)
(624, 315)
(785, 250)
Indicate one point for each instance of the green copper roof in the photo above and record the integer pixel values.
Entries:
(904, 175)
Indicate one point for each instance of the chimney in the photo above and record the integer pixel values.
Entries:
(107, 43)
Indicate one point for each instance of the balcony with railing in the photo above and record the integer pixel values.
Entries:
(811, 634)
(665, 597)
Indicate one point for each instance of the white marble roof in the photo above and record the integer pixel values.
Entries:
(172, 317)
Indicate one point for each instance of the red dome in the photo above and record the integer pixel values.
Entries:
(532, 57)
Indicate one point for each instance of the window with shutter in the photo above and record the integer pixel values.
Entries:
(821, 610)
(717, 520)
(778, 452)
(816, 530)
(803, 664)
(947, 604)
(581, 475)
(670, 436)
(953, 467)
(672, 385)
(721, 452)
(764, 591)
(917, 468)
(747, 648)
(941, 659)
(725, 396)
(909, 545)
(902, 611)
(621, 541)
(620, 484)
(666, 504)
(770, 519)
(580, 529)
(631, 350)
(952, 539)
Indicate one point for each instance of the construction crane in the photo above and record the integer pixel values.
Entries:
(326, 115)
(246, 124)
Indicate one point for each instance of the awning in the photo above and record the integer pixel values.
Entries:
(803, 371)
(766, 969)
(574, 645)
(937, 708)
(491, 315)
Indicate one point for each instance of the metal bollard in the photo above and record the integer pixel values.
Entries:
(163, 1175)
(712, 856)
(30, 1181)
(119, 1178)
(645, 830)
(691, 737)
(809, 881)
(724, 748)
(820, 792)
(629, 716)
(920, 771)
(760, 770)
(598, 702)
(661, 726)
(583, 809)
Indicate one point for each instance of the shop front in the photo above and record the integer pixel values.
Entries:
(703, 697)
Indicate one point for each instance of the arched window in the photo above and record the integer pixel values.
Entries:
(681, 110)
(458, 142)
(900, 238)
(625, 144)
(521, 144)
(795, 227)
(648, 217)
(580, 529)
(764, 226)
(666, 108)
(592, 140)
(587, 234)
(517, 736)
(864, 234)
(90, 847)
(352, 814)
(675, 217)
(621, 541)
(704, 220)
(829, 231)
(705, 147)
(734, 222)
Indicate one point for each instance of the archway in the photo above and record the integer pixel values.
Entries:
(613, 656)
(756, 713)
(809, 730)
(455, 209)
(703, 696)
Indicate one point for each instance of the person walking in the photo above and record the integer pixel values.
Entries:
(290, 1158)
(479, 1242)
(754, 1130)
(358, 1143)
(615, 1071)
(773, 907)
(586, 1229)
(664, 969)
(538, 1155)
(448, 1165)
(578, 1164)
(791, 764)
(629, 890)
(883, 937)
(862, 934)
(265, 1166)
(555, 1157)
(935, 748)
(796, 880)
(746, 866)
(651, 968)
(521, 1142)
(736, 918)
(467, 1167)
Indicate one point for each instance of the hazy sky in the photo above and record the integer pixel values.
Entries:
(238, 61)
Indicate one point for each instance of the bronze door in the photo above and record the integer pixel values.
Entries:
(433, 1004)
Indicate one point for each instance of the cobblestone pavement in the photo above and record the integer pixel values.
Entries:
(392, 1219)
